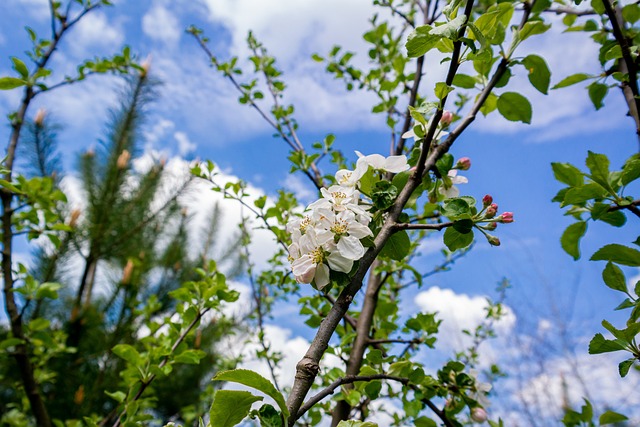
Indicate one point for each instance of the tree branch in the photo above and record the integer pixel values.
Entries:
(627, 65)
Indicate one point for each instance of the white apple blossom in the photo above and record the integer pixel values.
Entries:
(308, 258)
(347, 178)
(450, 190)
(346, 231)
(393, 164)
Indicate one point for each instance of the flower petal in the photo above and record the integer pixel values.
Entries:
(321, 278)
(339, 263)
(350, 247)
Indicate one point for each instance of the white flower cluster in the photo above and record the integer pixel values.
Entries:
(329, 236)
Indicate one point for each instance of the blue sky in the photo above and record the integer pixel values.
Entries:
(198, 117)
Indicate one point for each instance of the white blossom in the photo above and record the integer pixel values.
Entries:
(450, 190)
(393, 164)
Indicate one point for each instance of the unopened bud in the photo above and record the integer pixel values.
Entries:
(184, 212)
(127, 272)
(493, 240)
(464, 164)
(479, 415)
(492, 210)
(73, 220)
(40, 115)
(487, 200)
(506, 217)
(447, 117)
(146, 64)
(163, 161)
(198, 341)
(123, 159)
(90, 152)
(491, 226)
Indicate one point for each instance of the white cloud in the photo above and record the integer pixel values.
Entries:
(299, 185)
(94, 31)
(185, 146)
(162, 25)
(459, 312)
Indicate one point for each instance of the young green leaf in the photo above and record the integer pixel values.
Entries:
(455, 240)
(571, 80)
(7, 83)
(256, 381)
(619, 254)
(539, 74)
(570, 239)
(614, 277)
(397, 247)
(599, 345)
(230, 407)
(597, 92)
(568, 174)
(515, 107)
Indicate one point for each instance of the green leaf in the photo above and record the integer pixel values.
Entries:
(230, 407)
(570, 239)
(442, 90)
(257, 381)
(190, 357)
(269, 417)
(383, 195)
(598, 164)
(532, 28)
(619, 254)
(48, 290)
(514, 107)
(571, 80)
(7, 83)
(425, 37)
(597, 92)
(424, 422)
(490, 104)
(118, 396)
(454, 239)
(10, 342)
(579, 195)
(464, 81)
(611, 417)
(397, 247)
(614, 277)
(456, 209)
(20, 67)
(354, 423)
(539, 74)
(623, 369)
(568, 174)
(599, 345)
(127, 352)
(631, 13)
(630, 171)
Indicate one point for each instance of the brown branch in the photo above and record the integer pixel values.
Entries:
(307, 369)
(407, 226)
(350, 379)
(627, 65)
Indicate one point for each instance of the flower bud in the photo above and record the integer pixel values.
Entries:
(464, 163)
(479, 415)
(492, 210)
(487, 200)
(73, 220)
(447, 117)
(123, 159)
(146, 64)
(493, 240)
(506, 217)
(491, 226)
(39, 119)
(127, 272)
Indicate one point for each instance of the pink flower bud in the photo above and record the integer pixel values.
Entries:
(491, 226)
(479, 415)
(492, 210)
(493, 240)
(123, 159)
(145, 65)
(487, 200)
(447, 117)
(506, 217)
(464, 164)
